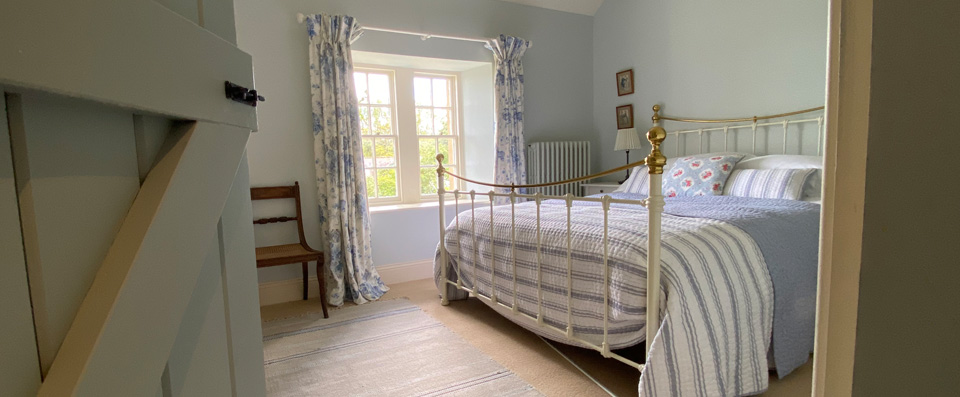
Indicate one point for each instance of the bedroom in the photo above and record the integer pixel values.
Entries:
(122, 164)
(685, 56)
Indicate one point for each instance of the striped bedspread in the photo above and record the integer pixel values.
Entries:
(718, 309)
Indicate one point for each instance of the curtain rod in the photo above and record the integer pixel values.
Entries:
(423, 36)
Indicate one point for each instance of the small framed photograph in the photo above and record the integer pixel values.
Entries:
(625, 82)
(624, 117)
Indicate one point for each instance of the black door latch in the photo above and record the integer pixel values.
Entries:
(242, 94)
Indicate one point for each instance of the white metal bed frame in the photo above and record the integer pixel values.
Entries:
(654, 203)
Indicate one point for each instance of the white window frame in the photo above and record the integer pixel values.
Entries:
(456, 133)
(391, 76)
(405, 127)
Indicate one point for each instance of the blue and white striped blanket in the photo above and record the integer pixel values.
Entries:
(718, 309)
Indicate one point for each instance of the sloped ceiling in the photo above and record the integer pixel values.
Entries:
(585, 7)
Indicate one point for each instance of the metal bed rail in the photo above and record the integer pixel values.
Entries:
(654, 203)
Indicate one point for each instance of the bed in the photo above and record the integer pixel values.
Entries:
(731, 277)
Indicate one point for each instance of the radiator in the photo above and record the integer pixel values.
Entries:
(557, 161)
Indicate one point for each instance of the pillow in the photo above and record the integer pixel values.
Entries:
(638, 182)
(780, 161)
(673, 160)
(769, 183)
(699, 175)
(811, 190)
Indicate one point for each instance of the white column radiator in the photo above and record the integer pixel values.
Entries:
(557, 161)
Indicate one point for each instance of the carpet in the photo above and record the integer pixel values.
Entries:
(385, 348)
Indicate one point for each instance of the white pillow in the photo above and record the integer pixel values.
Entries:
(782, 161)
(637, 182)
(778, 183)
(811, 190)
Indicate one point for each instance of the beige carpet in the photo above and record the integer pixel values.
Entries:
(522, 352)
(385, 348)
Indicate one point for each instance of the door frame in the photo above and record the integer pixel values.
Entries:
(849, 47)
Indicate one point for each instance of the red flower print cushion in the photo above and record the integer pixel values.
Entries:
(699, 175)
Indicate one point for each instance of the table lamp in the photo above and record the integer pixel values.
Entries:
(627, 139)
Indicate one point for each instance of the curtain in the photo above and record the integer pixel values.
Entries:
(511, 165)
(341, 186)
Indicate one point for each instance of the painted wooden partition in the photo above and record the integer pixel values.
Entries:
(126, 243)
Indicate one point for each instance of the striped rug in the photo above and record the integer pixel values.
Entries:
(387, 348)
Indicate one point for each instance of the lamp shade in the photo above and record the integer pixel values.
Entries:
(628, 139)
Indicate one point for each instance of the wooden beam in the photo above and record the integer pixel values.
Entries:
(128, 322)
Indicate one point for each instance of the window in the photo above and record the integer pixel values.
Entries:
(407, 117)
(436, 131)
(379, 137)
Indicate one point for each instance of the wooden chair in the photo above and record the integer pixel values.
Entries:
(289, 253)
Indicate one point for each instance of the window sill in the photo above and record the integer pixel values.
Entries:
(425, 204)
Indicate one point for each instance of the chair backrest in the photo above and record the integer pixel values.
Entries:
(280, 192)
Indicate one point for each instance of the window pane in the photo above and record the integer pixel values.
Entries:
(382, 121)
(421, 91)
(428, 181)
(367, 152)
(360, 80)
(441, 121)
(371, 184)
(440, 92)
(386, 153)
(428, 151)
(365, 120)
(387, 182)
(448, 148)
(379, 89)
(424, 122)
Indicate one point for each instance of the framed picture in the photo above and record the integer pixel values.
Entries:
(625, 82)
(624, 117)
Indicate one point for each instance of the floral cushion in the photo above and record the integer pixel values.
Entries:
(700, 175)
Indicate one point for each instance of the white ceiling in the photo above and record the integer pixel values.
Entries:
(585, 7)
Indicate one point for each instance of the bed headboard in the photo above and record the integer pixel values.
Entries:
(799, 132)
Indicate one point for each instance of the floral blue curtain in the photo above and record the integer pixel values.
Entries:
(341, 186)
(511, 164)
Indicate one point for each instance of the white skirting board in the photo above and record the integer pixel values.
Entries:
(281, 291)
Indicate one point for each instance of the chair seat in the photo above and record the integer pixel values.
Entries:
(284, 254)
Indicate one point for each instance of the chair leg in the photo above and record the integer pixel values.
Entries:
(323, 289)
(306, 280)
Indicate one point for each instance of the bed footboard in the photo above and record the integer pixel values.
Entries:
(654, 203)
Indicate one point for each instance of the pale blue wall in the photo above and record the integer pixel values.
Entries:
(703, 58)
(391, 246)
(478, 123)
(558, 88)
